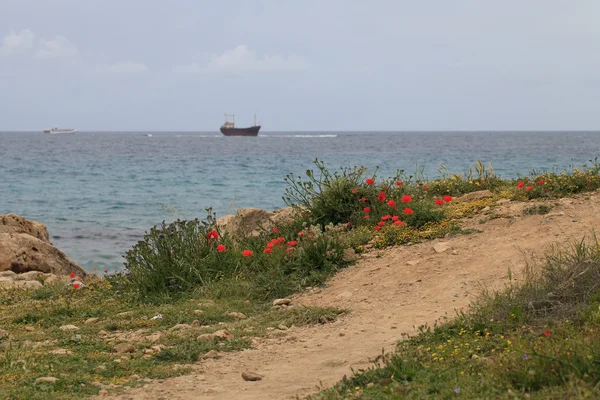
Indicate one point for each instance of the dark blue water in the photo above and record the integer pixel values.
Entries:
(98, 192)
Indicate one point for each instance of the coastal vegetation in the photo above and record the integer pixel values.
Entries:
(191, 289)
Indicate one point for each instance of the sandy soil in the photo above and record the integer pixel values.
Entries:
(389, 292)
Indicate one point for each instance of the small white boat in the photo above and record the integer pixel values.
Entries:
(55, 131)
(149, 134)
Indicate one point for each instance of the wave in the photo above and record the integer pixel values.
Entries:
(300, 136)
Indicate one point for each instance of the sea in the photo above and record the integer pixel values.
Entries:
(98, 192)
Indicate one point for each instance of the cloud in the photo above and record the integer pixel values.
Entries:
(129, 68)
(17, 43)
(58, 48)
(242, 59)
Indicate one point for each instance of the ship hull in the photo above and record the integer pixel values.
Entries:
(58, 132)
(252, 131)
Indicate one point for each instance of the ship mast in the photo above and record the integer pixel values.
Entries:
(254, 119)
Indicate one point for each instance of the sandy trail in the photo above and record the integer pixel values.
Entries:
(389, 292)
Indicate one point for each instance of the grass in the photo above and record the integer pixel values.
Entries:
(33, 320)
(537, 339)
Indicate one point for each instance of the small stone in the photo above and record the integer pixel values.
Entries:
(68, 328)
(124, 348)
(100, 368)
(503, 201)
(179, 327)
(195, 323)
(282, 327)
(238, 315)
(441, 247)
(29, 329)
(223, 334)
(61, 351)
(281, 302)
(91, 321)
(413, 263)
(555, 214)
(124, 314)
(103, 392)
(212, 354)
(455, 252)
(349, 255)
(46, 379)
(370, 385)
(251, 376)
(28, 276)
(8, 274)
(198, 311)
(135, 377)
(481, 194)
(103, 333)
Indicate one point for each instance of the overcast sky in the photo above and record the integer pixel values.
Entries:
(300, 64)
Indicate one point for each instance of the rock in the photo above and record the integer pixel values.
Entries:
(251, 376)
(68, 328)
(440, 247)
(282, 327)
(61, 351)
(212, 354)
(57, 280)
(198, 311)
(28, 284)
(6, 283)
(124, 348)
(349, 255)
(485, 209)
(503, 201)
(281, 302)
(252, 221)
(481, 194)
(7, 274)
(28, 276)
(196, 323)
(100, 368)
(413, 263)
(46, 379)
(238, 315)
(555, 214)
(454, 252)
(91, 321)
(125, 314)
(3, 333)
(103, 333)
(29, 329)
(153, 337)
(179, 327)
(25, 246)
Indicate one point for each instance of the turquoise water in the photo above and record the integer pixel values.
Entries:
(99, 191)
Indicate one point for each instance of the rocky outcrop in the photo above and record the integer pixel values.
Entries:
(25, 246)
(253, 221)
(481, 194)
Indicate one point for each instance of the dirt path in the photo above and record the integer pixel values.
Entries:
(388, 292)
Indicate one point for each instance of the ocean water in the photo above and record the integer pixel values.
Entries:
(99, 191)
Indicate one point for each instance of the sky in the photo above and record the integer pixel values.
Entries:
(300, 65)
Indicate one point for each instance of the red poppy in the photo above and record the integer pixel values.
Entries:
(268, 250)
(220, 248)
(386, 217)
(72, 275)
(364, 199)
(212, 235)
(280, 240)
(106, 271)
(399, 223)
(399, 183)
(377, 228)
(392, 204)
(289, 249)
(406, 199)
(547, 333)
(76, 285)
(528, 188)
(367, 209)
(439, 202)
(395, 218)
(541, 182)
(426, 187)
(300, 233)
(408, 211)
(292, 243)
(447, 199)
(275, 229)
(381, 223)
(370, 181)
(520, 185)
(381, 197)
(270, 245)
(354, 191)
(247, 253)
